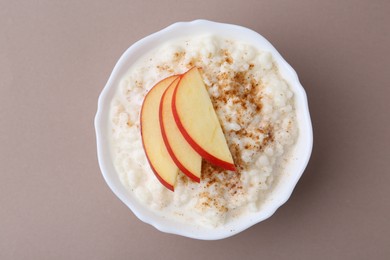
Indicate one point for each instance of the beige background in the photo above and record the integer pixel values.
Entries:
(55, 58)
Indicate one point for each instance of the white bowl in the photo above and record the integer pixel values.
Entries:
(281, 192)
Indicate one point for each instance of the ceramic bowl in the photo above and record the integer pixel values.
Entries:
(279, 194)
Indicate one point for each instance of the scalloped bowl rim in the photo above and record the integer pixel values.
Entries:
(303, 146)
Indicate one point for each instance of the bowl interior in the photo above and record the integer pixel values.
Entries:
(279, 194)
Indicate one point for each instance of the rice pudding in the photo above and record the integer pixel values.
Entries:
(255, 106)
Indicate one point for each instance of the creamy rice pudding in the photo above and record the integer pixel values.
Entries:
(255, 106)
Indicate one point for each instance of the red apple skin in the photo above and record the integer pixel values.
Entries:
(169, 148)
(207, 156)
(163, 182)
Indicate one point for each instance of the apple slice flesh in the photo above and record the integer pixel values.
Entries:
(196, 119)
(156, 152)
(185, 157)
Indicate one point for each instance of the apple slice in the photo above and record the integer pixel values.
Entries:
(159, 159)
(196, 119)
(185, 157)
